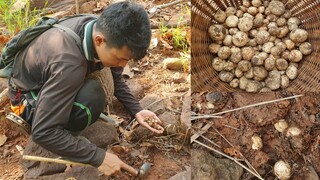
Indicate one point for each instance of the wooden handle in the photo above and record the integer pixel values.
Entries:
(53, 160)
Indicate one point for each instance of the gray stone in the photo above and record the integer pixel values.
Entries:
(185, 175)
(35, 169)
(168, 118)
(135, 88)
(207, 167)
(151, 98)
(311, 174)
(101, 133)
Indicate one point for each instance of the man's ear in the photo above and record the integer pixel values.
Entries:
(99, 39)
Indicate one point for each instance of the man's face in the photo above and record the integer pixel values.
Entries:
(110, 56)
(114, 57)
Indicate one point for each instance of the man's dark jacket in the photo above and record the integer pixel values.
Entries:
(54, 65)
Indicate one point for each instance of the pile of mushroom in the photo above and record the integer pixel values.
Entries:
(258, 46)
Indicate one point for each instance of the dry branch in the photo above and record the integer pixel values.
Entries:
(4, 99)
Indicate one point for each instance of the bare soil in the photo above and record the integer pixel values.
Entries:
(301, 152)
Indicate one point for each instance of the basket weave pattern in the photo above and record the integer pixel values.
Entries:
(205, 78)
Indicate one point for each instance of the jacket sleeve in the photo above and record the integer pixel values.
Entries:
(54, 105)
(123, 93)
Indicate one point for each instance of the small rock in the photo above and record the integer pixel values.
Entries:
(168, 118)
(318, 117)
(173, 64)
(311, 174)
(206, 167)
(149, 99)
(185, 175)
(88, 7)
(178, 78)
(3, 139)
(101, 133)
(134, 153)
(312, 118)
(215, 97)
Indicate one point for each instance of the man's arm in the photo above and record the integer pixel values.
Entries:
(123, 93)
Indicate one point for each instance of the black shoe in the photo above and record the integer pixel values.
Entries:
(19, 123)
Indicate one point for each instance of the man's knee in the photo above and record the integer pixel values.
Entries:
(89, 104)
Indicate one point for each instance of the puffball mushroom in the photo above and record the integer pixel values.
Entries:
(224, 52)
(281, 21)
(253, 86)
(218, 64)
(273, 81)
(298, 35)
(281, 64)
(292, 71)
(256, 3)
(284, 81)
(226, 76)
(258, 59)
(240, 39)
(228, 66)
(256, 142)
(252, 10)
(227, 40)
(231, 11)
(293, 23)
(214, 48)
(232, 21)
(295, 56)
(281, 125)
(217, 32)
(293, 131)
(289, 44)
(236, 55)
(244, 65)
(245, 24)
(259, 73)
(234, 83)
(306, 48)
(277, 7)
(270, 63)
(262, 37)
(220, 16)
(247, 53)
(282, 170)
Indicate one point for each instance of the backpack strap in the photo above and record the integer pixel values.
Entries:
(74, 35)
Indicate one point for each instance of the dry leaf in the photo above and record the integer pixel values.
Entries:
(233, 152)
(3, 139)
(119, 149)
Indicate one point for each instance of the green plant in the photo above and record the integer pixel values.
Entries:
(17, 19)
(177, 36)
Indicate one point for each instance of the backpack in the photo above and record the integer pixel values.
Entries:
(24, 37)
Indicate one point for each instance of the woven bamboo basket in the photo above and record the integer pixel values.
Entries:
(205, 78)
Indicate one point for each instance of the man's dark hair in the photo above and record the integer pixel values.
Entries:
(126, 23)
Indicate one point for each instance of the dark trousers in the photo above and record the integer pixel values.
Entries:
(89, 104)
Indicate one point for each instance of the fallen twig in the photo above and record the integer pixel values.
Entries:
(156, 8)
(204, 117)
(4, 99)
(203, 130)
(229, 157)
(231, 127)
(77, 6)
(245, 107)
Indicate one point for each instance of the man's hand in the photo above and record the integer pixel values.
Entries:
(141, 117)
(112, 164)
